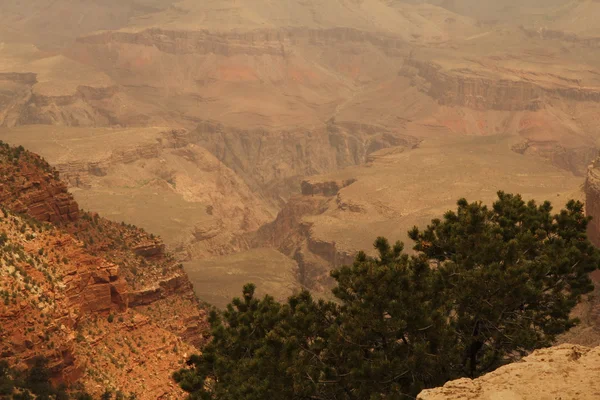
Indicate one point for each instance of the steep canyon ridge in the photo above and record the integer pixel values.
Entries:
(266, 141)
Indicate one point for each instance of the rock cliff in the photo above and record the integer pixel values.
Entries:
(23, 102)
(592, 201)
(29, 185)
(562, 372)
(256, 42)
(275, 161)
(488, 90)
(291, 234)
(101, 300)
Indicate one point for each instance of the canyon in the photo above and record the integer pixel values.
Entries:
(212, 116)
(271, 141)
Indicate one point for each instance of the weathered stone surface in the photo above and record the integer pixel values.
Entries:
(34, 190)
(592, 202)
(150, 249)
(470, 89)
(329, 188)
(562, 372)
(165, 288)
(73, 286)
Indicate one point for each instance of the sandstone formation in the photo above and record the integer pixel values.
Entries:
(29, 185)
(330, 188)
(592, 201)
(290, 234)
(343, 212)
(101, 300)
(235, 43)
(464, 88)
(271, 161)
(562, 372)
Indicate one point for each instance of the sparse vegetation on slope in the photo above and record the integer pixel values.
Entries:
(484, 287)
(106, 307)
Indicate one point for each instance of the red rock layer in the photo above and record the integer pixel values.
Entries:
(29, 185)
(104, 302)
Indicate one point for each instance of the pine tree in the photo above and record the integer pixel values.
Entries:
(255, 350)
(484, 286)
(391, 338)
(512, 273)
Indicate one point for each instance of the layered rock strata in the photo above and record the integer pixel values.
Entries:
(291, 234)
(467, 88)
(29, 185)
(101, 301)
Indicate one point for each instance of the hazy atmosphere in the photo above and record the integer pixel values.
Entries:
(195, 146)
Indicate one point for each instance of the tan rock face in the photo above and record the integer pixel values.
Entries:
(470, 89)
(269, 160)
(292, 234)
(592, 201)
(562, 372)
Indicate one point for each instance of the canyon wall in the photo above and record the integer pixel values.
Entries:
(291, 234)
(553, 34)
(81, 171)
(29, 186)
(463, 87)
(21, 103)
(101, 300)
(592, 201)
(275, 161)
(257, 42)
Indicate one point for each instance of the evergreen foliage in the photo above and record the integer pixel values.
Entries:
(32, 384)
(483, 287)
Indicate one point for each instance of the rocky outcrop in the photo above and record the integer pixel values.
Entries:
(29, 186)
(291, 234)
(469, 89)
(592, 201)
(83, 107)
(78, 173)
(57, 286)
(258, 42)
(27, 78)
(269, 161)
(553, 34)
(574, 159)
(92, 284)
(150, 248)
(177, 284)
(562, 372)
(25, 104)
(88, 294)
(329, 188)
